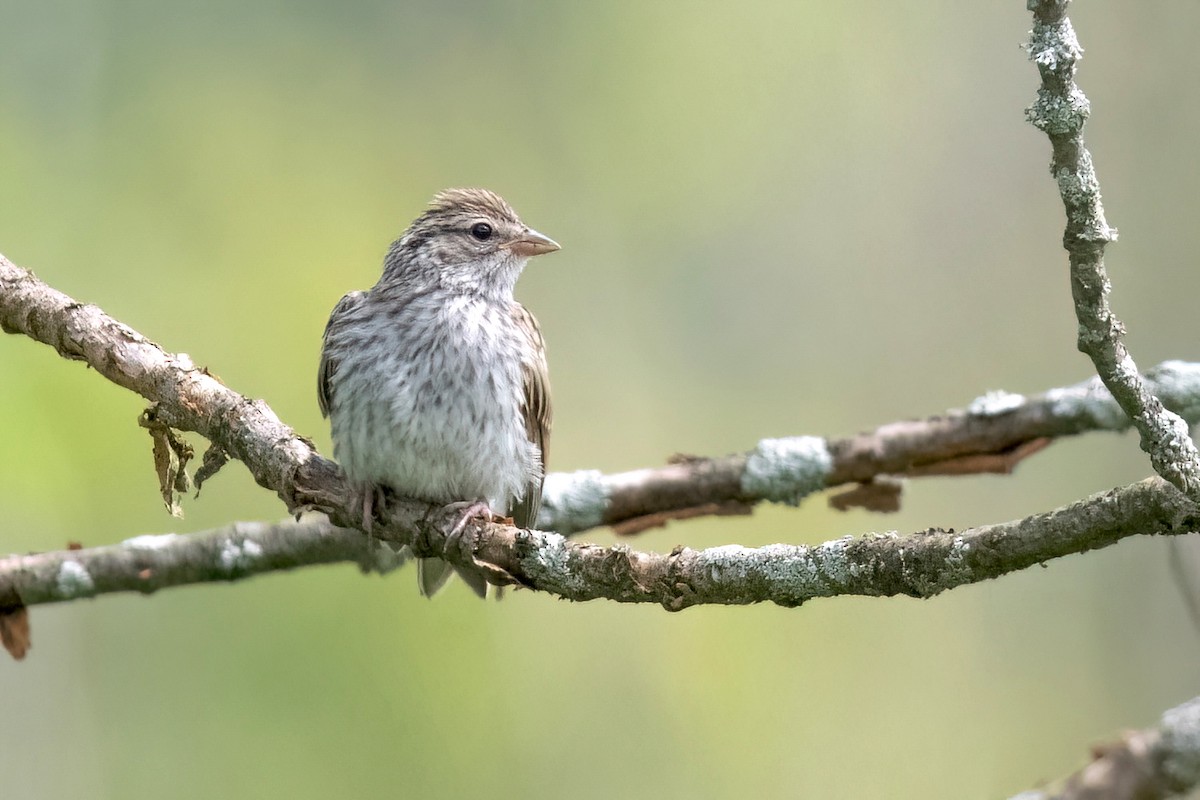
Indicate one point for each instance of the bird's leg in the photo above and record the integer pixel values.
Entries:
(474, 509)
(372, 497)
(368, 509)
(477, 509)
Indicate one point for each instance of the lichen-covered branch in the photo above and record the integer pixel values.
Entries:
(992, 434)
(183, 396)
(989, 431)
(148, 563)
(1151, 764)
(917, 565)
(1060, 111)
(187, 397)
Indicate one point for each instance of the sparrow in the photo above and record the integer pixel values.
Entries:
(435, 380)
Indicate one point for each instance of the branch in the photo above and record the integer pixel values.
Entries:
(184, 397)
(992, 434)
(989, 435)
(188, 398)
(1060, 111)
(148, 563)
(1158, 762)
(916, 565)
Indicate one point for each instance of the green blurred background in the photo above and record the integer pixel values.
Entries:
(777, 218)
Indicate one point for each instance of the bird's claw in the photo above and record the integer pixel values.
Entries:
(477, 509)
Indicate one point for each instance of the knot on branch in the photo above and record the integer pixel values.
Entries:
(676, 591)
(1054, 47)
(1059, 113)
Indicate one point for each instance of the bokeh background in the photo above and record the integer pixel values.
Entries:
(777, 218)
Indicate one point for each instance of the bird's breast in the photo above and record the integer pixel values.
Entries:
(430, 404)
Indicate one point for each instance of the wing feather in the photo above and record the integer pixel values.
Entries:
(342, 312)
(535, 409)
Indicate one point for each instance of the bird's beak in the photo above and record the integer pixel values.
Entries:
(533, 243)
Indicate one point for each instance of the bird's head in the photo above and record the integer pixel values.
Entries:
(469, 240)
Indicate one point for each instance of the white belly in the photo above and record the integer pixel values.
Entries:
(442, 422)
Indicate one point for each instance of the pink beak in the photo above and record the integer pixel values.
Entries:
(533, 243)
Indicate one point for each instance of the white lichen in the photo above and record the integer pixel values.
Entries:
(551, 560)
(1090, 401)
(1078, 186)
(573, 501)
(1057, 114)
(74, 581)
(786, 470)
(238, 556)
(995, 403)
(833, 559)
(957, 569)
(1054, 46)
(1177, 383)
(723, 563)
(151, 541)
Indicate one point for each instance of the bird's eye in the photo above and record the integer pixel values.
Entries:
(481, 231)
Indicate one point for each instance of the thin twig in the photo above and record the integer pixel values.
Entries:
(1060, 111)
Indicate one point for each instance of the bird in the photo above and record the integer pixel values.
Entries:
(435, 380)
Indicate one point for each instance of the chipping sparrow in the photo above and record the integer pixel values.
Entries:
(435, 380)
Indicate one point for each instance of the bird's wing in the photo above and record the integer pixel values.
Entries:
(535, 408)
(337, 319)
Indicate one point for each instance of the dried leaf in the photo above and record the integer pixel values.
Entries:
(1002, 463)
(171, 455)
(659, 519)
(881, 494)
(14, 626)
(214, 458)
(164, 469)
(685, 459)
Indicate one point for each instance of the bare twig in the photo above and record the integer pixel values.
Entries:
(1060, 112)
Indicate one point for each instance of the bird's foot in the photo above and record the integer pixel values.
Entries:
(475, 509)
(476, 573)
(433, 572)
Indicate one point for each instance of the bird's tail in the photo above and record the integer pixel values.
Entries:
(432, 574)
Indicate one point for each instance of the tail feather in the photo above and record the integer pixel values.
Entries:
(432, 574)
